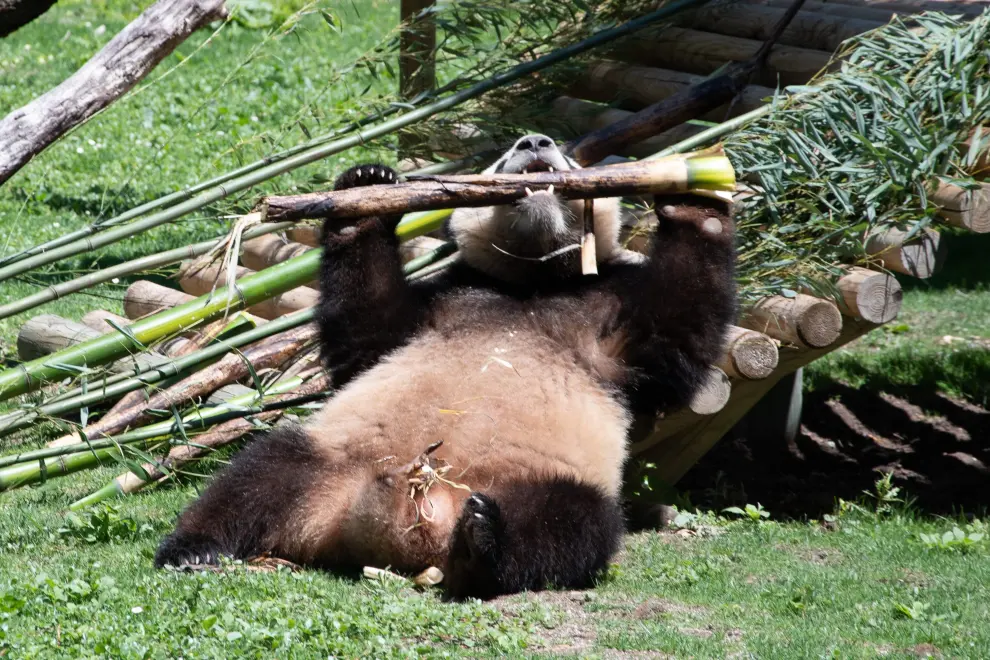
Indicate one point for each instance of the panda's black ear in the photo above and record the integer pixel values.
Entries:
(365, 175)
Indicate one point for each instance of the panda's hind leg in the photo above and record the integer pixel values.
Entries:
(530, 534)
(252, 506)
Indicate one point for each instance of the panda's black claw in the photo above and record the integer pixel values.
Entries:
(193, 550)
(365, 175)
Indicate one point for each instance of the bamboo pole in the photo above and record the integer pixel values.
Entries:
(920, 257)
(676, 174)
(157, 374)
(801, 320)
(234, 367)
(608, 80)
(748, 354)
(359, 137)
(211, 440)
(807, 30)
(695, 51)
(968, 208)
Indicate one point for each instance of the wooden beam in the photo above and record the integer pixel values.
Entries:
(802, 320)
(920, 257)
(979, 168)
(807, 30)
(968, 208)
(833, 8)
(695, 51)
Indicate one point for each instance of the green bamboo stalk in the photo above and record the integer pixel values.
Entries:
(158, 260)
(23, 418)
(84, 455)
(336, 146)
(23, 475)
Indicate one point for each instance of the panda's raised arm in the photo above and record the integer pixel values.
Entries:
(367, 308)
(676, 306)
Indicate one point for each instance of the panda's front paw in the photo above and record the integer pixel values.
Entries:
(179, 550)
(365, 175)
(472, 564)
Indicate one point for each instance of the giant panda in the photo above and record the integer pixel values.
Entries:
(481, 414)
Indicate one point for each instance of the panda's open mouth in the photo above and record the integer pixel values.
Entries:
(537, 166)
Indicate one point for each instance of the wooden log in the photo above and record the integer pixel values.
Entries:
(802, 320)
(979, 168)
(264, 251)
(198, 279)
(675, 451)
(962, 207)
(694, 51)
(713, 395)
(748, 354)
(111, 73)
(609, 80)
(143, 298)
(964, 8)
(807, 30)
(15, 14)
(97, 320)
(267, 354)
(660, 176)
(870, 296)
(833, 8)
(920, 257)
(582, 117)
(305, 233)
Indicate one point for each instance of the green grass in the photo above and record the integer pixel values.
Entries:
(775, 590)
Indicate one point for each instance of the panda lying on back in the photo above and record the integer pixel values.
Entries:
(527, 373)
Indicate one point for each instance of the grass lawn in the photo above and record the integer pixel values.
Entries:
(860, 586)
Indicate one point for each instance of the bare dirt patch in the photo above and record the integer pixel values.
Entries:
(575, 634)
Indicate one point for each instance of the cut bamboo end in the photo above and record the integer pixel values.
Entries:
(920, 257)
(713, 395)
(198, 279)
(870, 295)
(802, 320)
(966, 208)
(264, 251)
(748, 354)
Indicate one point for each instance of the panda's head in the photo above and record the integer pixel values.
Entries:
(538, 237)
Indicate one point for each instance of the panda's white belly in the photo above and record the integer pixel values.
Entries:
(504, 402)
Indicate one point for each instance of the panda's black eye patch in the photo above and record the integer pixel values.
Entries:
(544, 143)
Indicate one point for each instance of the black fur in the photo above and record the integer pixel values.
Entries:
(247, 504)
(533, 534)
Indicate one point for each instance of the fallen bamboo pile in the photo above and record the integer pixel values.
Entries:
(193, 368)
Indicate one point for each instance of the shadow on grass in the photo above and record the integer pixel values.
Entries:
(912, 412)
(965, 265)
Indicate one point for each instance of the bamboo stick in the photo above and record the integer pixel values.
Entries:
(608, 80)
(359, 137)
(676, 174)
(694, 51)
(198, 279)
(418, 247)
(802, 320)
(157, 374)
(748, 354)
(203, 443)
(870, 296)
(920, 257)
(25, 474)
(968, 208)
(234, 367)
(99, 320)
(807, 30)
